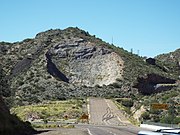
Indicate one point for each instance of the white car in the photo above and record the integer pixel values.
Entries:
(161, 132)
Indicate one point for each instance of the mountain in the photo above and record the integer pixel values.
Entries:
(60, 64)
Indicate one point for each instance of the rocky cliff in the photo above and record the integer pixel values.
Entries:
(84, 63)
(154, 83)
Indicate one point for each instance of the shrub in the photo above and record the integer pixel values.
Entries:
(116, 85)
(177, 120)
(127, 102)
(145, 116)
(167, 119)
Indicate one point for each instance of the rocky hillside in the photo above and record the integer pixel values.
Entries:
(59, 64)
(171, 61)
(10, 124)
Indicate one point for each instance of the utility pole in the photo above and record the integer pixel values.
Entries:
(132, 50)
(138, 52)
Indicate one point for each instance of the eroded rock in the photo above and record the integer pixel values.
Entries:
(154, 83)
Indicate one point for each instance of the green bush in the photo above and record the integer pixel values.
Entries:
(126, 102)
(116, 85)
(145, 116)
(167, 119)
(177, 120)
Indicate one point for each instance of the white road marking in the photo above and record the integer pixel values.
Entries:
(89, 132)
(114, 112)
(88, 107)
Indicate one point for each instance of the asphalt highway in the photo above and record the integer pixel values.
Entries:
(110, 130)
(104, 119)
(104, 112)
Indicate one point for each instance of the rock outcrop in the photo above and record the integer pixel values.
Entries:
(11, 125)
(154, 83)
(171, 61)
(87, 64)
(53, 70)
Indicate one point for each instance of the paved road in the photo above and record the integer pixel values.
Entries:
(82, 129)
(110, 130)
(64, 131)
(104, 112)
(105, 119)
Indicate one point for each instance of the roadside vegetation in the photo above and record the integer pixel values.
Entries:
(51, 111)
(139, 109)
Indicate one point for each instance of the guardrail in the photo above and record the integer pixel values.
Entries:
(162, 124)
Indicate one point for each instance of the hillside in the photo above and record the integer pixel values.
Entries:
(60, 64)
(171, 61)
(10, 124)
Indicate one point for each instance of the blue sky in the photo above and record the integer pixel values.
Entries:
(150, 26)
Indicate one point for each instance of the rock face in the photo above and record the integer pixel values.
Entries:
(53, 70)
(151, 61)
(11, 125)
(86, 63)
(154, 83)
(21, 65)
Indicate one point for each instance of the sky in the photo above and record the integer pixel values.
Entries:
(150, 27)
